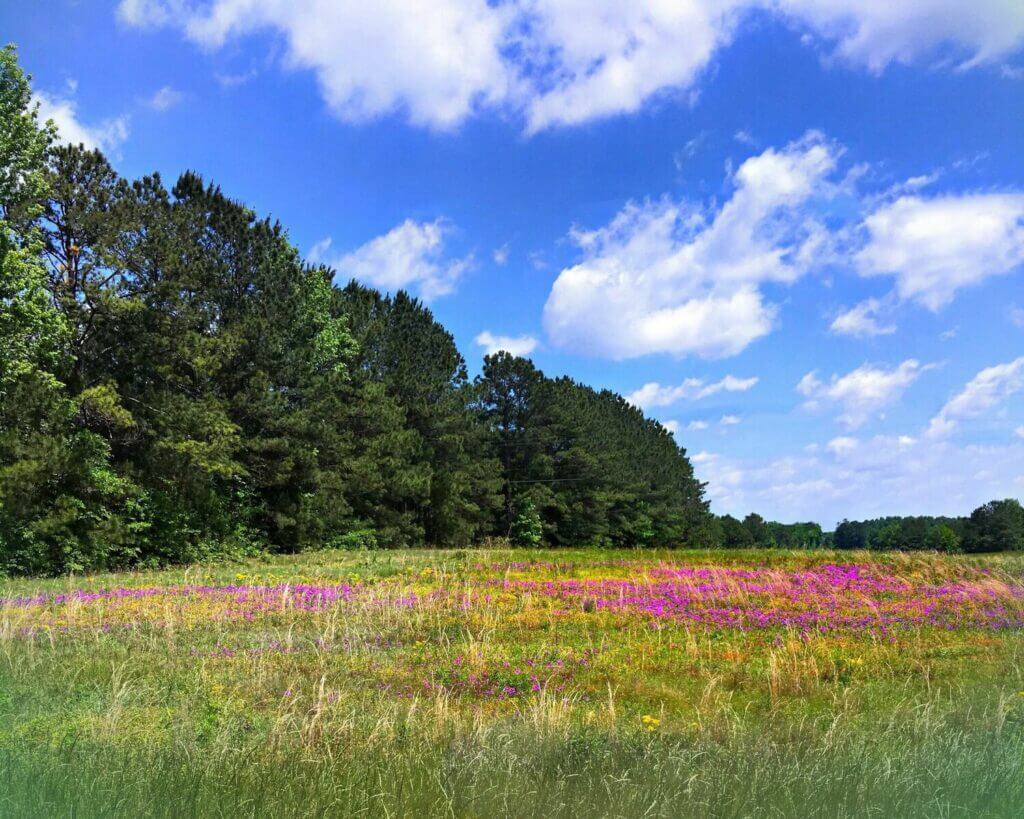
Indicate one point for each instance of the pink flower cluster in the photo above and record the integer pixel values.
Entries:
(827, 598)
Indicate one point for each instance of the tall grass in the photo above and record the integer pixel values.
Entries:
(914, 769)
(200, 705)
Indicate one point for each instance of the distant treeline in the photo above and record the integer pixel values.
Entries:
(994, 527)
(755, 532)
(176, 383)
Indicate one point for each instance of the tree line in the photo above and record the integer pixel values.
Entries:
(178, 384)
(992, 527)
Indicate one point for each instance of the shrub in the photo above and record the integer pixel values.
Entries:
(527, 529)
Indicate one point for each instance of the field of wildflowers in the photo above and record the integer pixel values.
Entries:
(489, 682)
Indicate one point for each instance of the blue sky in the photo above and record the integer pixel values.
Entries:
(793, 230)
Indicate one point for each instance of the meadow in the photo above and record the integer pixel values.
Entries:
(499, 682)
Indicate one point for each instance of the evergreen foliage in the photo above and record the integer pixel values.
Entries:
(905, 534)
(176, 383)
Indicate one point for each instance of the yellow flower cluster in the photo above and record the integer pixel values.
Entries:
(649, 722)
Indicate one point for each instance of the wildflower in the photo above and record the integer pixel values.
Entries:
(649, 722)
(856, 662)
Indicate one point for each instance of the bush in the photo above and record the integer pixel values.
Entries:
(527, 529)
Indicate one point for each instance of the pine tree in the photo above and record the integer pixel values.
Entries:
(61, 506)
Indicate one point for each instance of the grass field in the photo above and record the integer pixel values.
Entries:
(513, 683)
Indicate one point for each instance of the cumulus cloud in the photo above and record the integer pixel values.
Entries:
(862, 393)
(983, 393)
(654, 394)
(613, 56)
(729, 420)
(437, 63)
(562, 62)
(107, 135)
(409, 256)
(513, 345)
(934, 247)
(864, 320)
(671, 426)
(697, 426)
(667, 277)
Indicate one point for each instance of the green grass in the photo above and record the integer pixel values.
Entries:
(165, 706)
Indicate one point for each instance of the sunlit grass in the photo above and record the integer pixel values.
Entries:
(519, 683)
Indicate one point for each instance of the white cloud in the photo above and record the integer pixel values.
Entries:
(1019, 432)
(562, 62)
(876, 33)
(318, 252)
(236, 79)
(692, 147)
(914, 184)
(809, 384)
(613, 56)
(934, 247)
(862, 393)
(842, 445)
(983, 393)
(513, 345)
(744, 137)
(665, 277)
(500, 255)
(729, 420)
(436, 62)
(671, 426)
(863, 320)
(107, 135)
(654, 394)
(696, 426)
(1017, 316)
(145, 13)
(881, 475)
(165, 99)
(408, 256)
